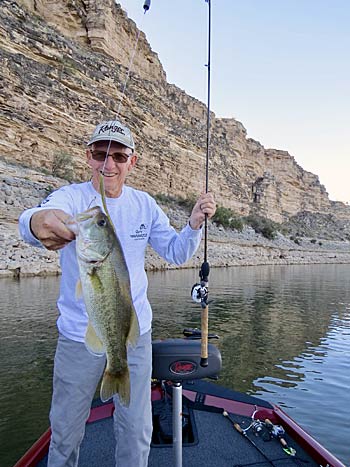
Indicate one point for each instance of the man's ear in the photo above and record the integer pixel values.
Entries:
(133, 160)
(88, 156)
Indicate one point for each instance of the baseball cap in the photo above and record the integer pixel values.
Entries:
(115, 131)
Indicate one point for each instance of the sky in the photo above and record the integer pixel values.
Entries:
(280, 67)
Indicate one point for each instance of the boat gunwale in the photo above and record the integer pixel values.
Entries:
(36, 452)
(105, 410)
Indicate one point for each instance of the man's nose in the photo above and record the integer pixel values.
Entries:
(109, 161)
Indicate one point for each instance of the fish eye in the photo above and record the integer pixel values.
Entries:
(102, 222)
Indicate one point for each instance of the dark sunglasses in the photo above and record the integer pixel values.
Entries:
(118, 157)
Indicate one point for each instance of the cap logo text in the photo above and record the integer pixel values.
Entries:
(111, 129)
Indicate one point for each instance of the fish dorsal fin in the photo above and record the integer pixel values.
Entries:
(93, 342)
(134, 331)
(79, 289)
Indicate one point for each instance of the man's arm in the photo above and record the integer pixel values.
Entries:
(49, 226)
(175, 247)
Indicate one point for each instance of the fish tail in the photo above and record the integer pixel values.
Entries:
(116, 383)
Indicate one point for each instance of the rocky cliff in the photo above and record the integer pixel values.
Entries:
(64, 63)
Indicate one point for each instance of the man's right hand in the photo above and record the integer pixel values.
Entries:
(49, 226)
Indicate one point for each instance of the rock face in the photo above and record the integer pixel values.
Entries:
(20, 189)
(64, 64)
(63, 68)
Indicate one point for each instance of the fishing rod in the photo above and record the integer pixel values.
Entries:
(240, 430)
(199, 292)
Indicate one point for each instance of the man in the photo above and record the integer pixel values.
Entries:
(76, 371)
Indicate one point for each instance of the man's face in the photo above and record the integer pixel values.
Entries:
(115, 168)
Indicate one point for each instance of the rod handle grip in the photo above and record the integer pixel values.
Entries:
(204, 340)
(238, 427)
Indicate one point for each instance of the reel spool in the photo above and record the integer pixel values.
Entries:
(199, 293)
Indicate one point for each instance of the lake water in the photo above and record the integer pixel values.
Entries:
(284, 335)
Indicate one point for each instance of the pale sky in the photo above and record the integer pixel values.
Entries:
(281, 67)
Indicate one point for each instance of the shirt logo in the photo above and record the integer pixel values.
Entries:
(140, 233)
(46, 200)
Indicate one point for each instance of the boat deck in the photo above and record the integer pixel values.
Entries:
(210, 439)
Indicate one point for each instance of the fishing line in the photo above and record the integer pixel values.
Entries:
(146, 7)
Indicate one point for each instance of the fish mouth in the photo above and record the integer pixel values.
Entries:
(86, 215)
(73, 223)
(89, 254)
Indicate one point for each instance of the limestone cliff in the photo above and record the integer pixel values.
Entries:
(63, 65)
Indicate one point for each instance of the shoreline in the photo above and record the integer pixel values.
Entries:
(22, 188)
(26, 261)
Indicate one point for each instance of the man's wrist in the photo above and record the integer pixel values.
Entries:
(194, 227)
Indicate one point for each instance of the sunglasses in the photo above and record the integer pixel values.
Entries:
(118, 157)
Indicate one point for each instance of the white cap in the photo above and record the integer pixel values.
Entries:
(113, 130)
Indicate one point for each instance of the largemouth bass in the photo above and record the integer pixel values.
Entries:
(105, 286)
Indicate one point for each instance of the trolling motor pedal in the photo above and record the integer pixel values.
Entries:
(179, 360)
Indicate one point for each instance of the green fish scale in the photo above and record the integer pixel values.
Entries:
(108, 303)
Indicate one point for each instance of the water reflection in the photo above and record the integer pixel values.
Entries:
(27, 341)
(319, 394)
(284, 335)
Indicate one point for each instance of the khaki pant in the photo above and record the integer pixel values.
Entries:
(76, 375)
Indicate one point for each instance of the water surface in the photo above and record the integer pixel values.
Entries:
(284, 336)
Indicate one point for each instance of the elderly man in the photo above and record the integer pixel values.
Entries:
(110, 152)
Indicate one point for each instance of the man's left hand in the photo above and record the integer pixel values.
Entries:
(204, 205)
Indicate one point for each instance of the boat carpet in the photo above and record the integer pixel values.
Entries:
(218, 445)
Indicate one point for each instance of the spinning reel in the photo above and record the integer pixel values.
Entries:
(199, 292)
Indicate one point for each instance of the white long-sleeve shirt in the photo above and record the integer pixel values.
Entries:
(138, 220)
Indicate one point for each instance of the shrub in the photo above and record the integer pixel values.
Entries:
(63, 166)
(164, 199)
(49, 189)
(227, 218)
(236, 223)
(266, 227)
(188, 202)
(313, 240)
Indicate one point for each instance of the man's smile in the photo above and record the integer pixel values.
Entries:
(109, 175)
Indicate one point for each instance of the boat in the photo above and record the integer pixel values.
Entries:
(198, 422)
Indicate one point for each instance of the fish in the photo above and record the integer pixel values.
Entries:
(105, 287)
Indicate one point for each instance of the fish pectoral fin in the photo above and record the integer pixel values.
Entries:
(92, 342)
(134, 331)
(78, 289)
